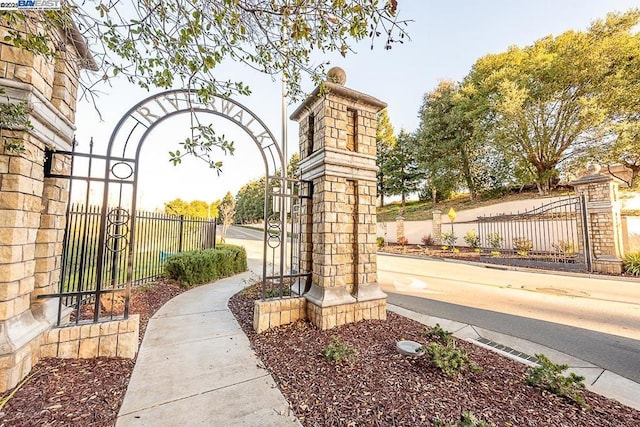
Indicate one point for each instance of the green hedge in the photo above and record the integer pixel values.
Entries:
(197, 267)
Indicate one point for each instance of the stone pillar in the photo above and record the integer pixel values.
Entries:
(32, 208)
(338, 155)
(436, 227)
(604, 226)
(399, 229)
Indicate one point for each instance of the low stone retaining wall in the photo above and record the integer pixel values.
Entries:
(118, 338)
(272, 313)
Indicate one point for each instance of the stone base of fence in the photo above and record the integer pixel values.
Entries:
(272, 313)
(116, 338)
(608, 265)
(277, 312)
(330, 317)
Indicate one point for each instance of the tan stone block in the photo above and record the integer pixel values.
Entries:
(12, 272)
(88, 348)
(11, 200)
(95, 330)
(127, 345)
(285, 317)
(85, 332)
(262, 323)
(69, 349)
(11, 254)
(20, 166)
(49, 350)
(74, 333)
(9, 290)
(104, 328)
(21, 304)
(341, 318)
(274, 319)
(108, 346)
(7, 309)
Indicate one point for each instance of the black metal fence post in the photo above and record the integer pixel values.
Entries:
(181, 233)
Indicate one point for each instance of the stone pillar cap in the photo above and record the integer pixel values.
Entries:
(593, 175)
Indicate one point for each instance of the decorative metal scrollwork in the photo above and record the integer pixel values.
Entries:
(117, 229)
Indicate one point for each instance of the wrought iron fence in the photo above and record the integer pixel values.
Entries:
(553, 235)
(126, 258)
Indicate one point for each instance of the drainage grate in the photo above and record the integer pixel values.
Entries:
(508, 350)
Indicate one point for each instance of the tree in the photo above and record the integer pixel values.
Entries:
(227, 211)
(448, 148)
(213, 209)
(176, 207)
(250, 202)
(385, 140)
(403, 175)
(620, 93)
(181, 43)
(541, 104)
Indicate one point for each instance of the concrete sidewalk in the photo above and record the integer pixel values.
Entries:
(196, 366)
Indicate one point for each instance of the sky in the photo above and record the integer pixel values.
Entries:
(447, 37)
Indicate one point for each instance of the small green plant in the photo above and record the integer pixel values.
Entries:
(495, 240)
(549, 376)
(403, 241)
(437, 333)
(427, 240)
(278, 292)
(522, 245)
(380, 242)
(472, 239)
(450, 360)
(495, 254)
(456, 251)
(449, 239)
(444, 354)
(338, 351)
(477, 250)
(467, 419)
(631, 263)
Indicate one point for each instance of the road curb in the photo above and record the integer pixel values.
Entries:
(598, 380)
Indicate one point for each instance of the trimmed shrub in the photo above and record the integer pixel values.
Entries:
(380, 242)
(198, 267)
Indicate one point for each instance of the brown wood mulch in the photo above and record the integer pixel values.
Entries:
(379, 388)
(384, 388)
(86, 392)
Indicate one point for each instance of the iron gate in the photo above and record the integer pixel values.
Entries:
(284, 274)
(108, 249)
(554, 235)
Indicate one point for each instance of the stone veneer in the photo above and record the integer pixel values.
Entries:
(603, 220)
(117, 338)
(338, 160)
(32, 207)
(272, 313)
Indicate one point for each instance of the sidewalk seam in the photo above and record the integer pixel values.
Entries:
(193, 395)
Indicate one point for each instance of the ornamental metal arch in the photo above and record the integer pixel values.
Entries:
(120, 177)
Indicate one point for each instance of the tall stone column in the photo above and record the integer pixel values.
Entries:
(338, 156)
(32, 207)
(604, 225)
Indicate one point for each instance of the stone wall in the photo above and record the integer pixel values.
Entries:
(107, 339)
(32, 207)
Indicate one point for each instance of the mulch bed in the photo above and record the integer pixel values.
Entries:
(384, 388)
(85, 392)
(379, 388)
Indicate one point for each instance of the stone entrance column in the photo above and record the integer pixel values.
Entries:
(338, 158)
(604, 224)
(32, 207)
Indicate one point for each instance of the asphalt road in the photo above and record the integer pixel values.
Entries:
(593, 319)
